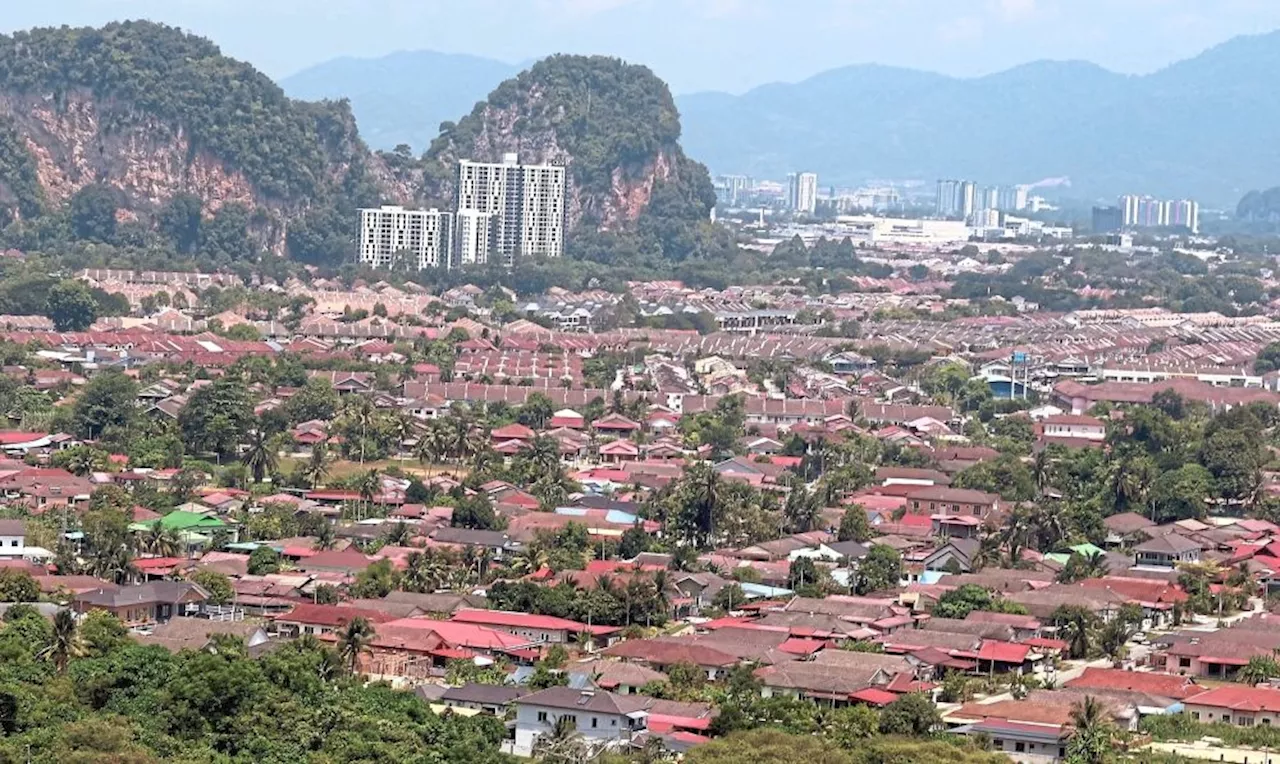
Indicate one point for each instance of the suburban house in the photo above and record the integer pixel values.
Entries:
(1127, 528)
(491, 699)
(1240, 705)
(1166, 551)
(13, 538)
(955, 556)
(942, 500)
(602, 719)
(145, 604)
(543, 629)
(1073, 427)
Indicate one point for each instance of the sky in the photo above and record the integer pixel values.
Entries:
(729, 45)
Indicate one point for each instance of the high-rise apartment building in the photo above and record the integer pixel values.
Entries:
(803, 196)
(392, 235)
(1184, 213)
(1011, 198)
(526, 203)
(472, 237)
(956, 198)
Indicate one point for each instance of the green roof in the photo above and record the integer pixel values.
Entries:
(183, 520)
(1086, 549)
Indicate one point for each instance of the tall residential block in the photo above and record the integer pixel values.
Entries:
(391, 235)
(803, 196)
(526, 203)
(956, 198)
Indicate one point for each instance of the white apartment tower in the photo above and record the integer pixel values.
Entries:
(956, 198)
(803, 192)
(472, 237)
(526, 205)
(391, 235)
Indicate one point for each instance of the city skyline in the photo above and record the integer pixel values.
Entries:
(932, 35)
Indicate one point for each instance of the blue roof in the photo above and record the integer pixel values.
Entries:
(616, 516)
(760, 590)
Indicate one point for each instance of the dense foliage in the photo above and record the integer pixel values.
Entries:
(141, 74)
(123, 702)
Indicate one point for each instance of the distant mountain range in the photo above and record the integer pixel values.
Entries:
(402, 97)
(1202, 128)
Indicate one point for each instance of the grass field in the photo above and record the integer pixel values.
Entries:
(341, 469)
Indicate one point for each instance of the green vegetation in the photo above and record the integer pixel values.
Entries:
(292, 152)
(87, 693)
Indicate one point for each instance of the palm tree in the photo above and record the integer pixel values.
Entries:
(325, 537)
(353, 640)
(399, 534)
(360, 414)
(544, 453)
(317, 467)
(261, 455)
(369, 486)
(65, 642)
(429, 446)
(1076, 624)
(1091, 741)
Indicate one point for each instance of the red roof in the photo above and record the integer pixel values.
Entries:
(1154, 683)
(512, 432)
(513, 619)
(15, 437)
(1002, 652)
(800, 646)
(874, 696)
(156, 563)
(1238, 698)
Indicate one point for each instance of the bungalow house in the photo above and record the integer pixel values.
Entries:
(318, 620)
(615, 424)
(1073, 427)
(1166, 551)
(568, 418)
(1217, 655)
(144, 604)
(538, 629)
(941, 500)
(488, 698)
(1127, 528)
(603, 720)
(832, 677)
(956, 556)
(1237, 705)
(615, 676)
(662, 653)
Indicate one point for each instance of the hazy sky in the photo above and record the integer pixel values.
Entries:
(697, 44)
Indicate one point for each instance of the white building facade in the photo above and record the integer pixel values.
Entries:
(392, 235)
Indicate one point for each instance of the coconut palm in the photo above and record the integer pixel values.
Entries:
(369, 485)
(399, 534)
(1259, 669)
(325, 537)
(65, 642)
(1091, 741)
(353, 640)
(261, 454)
(430, 446)
(1076, 627)
(316, 468)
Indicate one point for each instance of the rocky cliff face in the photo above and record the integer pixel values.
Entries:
(76, 140)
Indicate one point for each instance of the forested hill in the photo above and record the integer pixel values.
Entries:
(632, 191)
(136, 115)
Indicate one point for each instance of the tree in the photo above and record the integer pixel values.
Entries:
(1076, 625)
(880, 569)
(353, 640)
(768, 745)
(961, 601)
(102, 633)
(634, 541)
(536, 411)
(1268, 359)
(1082, 566)
(92, 212)
(1181, 494)
(1091, 740)
(18, 586)
(730, 597)
(262, 454)
(107, 404)
(217, 417)
(264, 560)
(71, 307)
(65, 643)
(180, 219)
(216, 584)
(316, 468)
(910, 714)
(1259, 669)
(854, 525)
